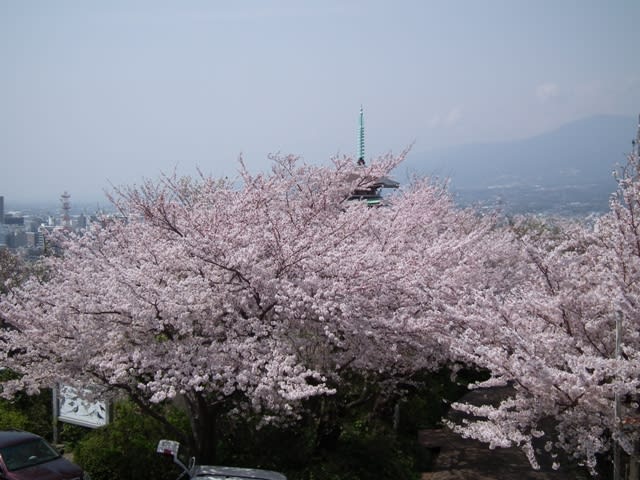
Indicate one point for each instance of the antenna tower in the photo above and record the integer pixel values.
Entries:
(66, 208)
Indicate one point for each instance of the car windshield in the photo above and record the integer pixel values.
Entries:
(224, 477)
(31, 452)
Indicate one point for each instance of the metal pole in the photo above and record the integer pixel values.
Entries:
(54, 400)
(616, 405)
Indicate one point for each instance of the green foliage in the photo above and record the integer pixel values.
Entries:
(271, 447)
(125, 449)
(28, 412)
(348, 436)
(12, 418)
(71, 434)
(360, 457)
(428, 403)
(366, 448)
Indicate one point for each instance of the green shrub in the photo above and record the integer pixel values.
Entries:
(379, 454)
(429, 402)
(125, 449)
(329, 442)
(12, 418)
(30, 413)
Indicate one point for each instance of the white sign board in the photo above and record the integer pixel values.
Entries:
(168, 447)
(72, 408)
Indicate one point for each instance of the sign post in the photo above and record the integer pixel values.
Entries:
(70, 406)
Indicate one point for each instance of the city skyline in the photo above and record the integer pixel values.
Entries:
(111, 93)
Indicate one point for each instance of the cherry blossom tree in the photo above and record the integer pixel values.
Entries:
(258, 297)
(13, 270)
(552, 335)
(248, 298)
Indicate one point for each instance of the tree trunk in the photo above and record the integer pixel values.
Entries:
(634, 470)
(203, 418)
(328, 426)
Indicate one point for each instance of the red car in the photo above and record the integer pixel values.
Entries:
(26, 456)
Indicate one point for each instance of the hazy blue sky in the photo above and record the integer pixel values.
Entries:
(93, 92)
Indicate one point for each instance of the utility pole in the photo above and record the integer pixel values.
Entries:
(616, 403)
(634, 460)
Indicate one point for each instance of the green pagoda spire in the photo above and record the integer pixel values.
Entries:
(636, 142)
(361, 138)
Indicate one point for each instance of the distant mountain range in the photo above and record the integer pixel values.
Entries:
(566, 171)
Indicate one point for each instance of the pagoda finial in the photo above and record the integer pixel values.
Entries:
(637, 142)
(361, 138)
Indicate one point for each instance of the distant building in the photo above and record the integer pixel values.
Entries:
(25, 232)
(13, 220)
(31, 239)
(372, 194)
(81, 221)
(39, 241)
(32, 224)
(17, 239)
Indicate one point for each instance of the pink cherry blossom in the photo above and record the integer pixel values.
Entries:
(257, 296)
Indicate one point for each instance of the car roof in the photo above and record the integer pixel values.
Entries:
(235, 472)
(14, 437)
